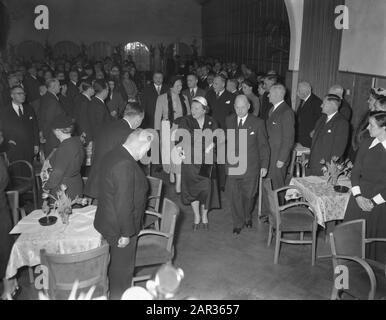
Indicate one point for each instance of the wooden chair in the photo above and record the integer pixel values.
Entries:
(348, 247)
(289, 218)
(156, 247)
(153, 202)
(23, 184)
(89, 268)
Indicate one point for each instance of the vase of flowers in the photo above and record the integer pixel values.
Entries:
(62, 203)
(335, 168)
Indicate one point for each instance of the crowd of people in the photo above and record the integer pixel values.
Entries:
(69, 113)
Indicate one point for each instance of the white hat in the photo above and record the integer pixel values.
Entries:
(201, 100)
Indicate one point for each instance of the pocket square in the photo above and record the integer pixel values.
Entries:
(329, 130)
(30, 118)
(252, 133)
(228, 102)
(273, 122)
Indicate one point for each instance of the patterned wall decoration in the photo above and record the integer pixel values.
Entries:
(256, 32)
(66, 48)
(30, 50)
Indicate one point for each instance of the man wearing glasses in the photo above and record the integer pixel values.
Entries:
(20, 128)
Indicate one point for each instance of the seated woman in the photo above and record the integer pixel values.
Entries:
(169, 107)
(114, 101)
(199, 185)
(368, 178)
(247, 87)
(66, 161)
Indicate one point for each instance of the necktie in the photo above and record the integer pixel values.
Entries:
(217, 95)
(301, 104)
(270, 112)
(20, 111)
(158, 90)
(240, 123)
(192, 93)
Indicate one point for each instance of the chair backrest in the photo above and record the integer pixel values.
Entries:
(273, 202)
(89, 268)
(155, 185)
(13, 202)
(348, 239)
(170, 211)
(292, 165)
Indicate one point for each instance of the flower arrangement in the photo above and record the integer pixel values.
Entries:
(62, 203)
(334, 169)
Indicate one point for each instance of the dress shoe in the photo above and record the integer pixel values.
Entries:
(236, 230)
(205, 226)
(248, 224)
(196, 226)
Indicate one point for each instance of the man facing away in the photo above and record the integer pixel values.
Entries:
(123, 190)
(111, 135)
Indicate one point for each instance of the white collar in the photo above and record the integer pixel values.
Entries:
(89, 98)
(376, 141)
(128, 123)
(331, 116)
(277, 104)
(242, 119)
(99, 99)
(73, 82)
(16, 107)
(221, 92)
(128, 150)
(194, 89)
(307, 98)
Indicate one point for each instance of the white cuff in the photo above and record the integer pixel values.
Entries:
(378, 199)
(356, 190)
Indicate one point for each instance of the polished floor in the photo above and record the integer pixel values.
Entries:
(220, 265)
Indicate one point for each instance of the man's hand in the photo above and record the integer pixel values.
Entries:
(364, 203)
(113, 113)
(263, 172)
(123, 242)
(36, 149)
(312, 133)
(279, 164)
(209, 148)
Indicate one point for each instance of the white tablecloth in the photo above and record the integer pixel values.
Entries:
(78, 236)
(329, 205)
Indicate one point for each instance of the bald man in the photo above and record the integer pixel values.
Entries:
(242, 187)
(345, 108)
(307, 113)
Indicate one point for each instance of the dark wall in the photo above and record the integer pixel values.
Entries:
(114, 21)
(251, 31)
(4, 25)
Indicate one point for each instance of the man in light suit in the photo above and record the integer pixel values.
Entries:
(111, 135)
(281, 135)
(150, 96)
(242, 188)
(193, 90)
(123, 190)
(330, 137)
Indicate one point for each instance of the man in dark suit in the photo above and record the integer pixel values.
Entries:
(20, 129)
(203, 78)
(269, 81)
(50, 108)
(97, 111)
(111, 135)
(150, 96)
(307, 114)
(221, 104)
(123, 189)
(193, 90)
(281, 135)
(80, 109)
(31, 85)
(72, 86)
(242, 184)
(232, 86)
(330, 136)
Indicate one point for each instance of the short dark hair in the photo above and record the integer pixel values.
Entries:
(334, 98)
(272, 77)
(133, 109)
(248, 83)
(100, 85)
(85, 86)
(174, 79)
(193, 75)
(16, 87)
